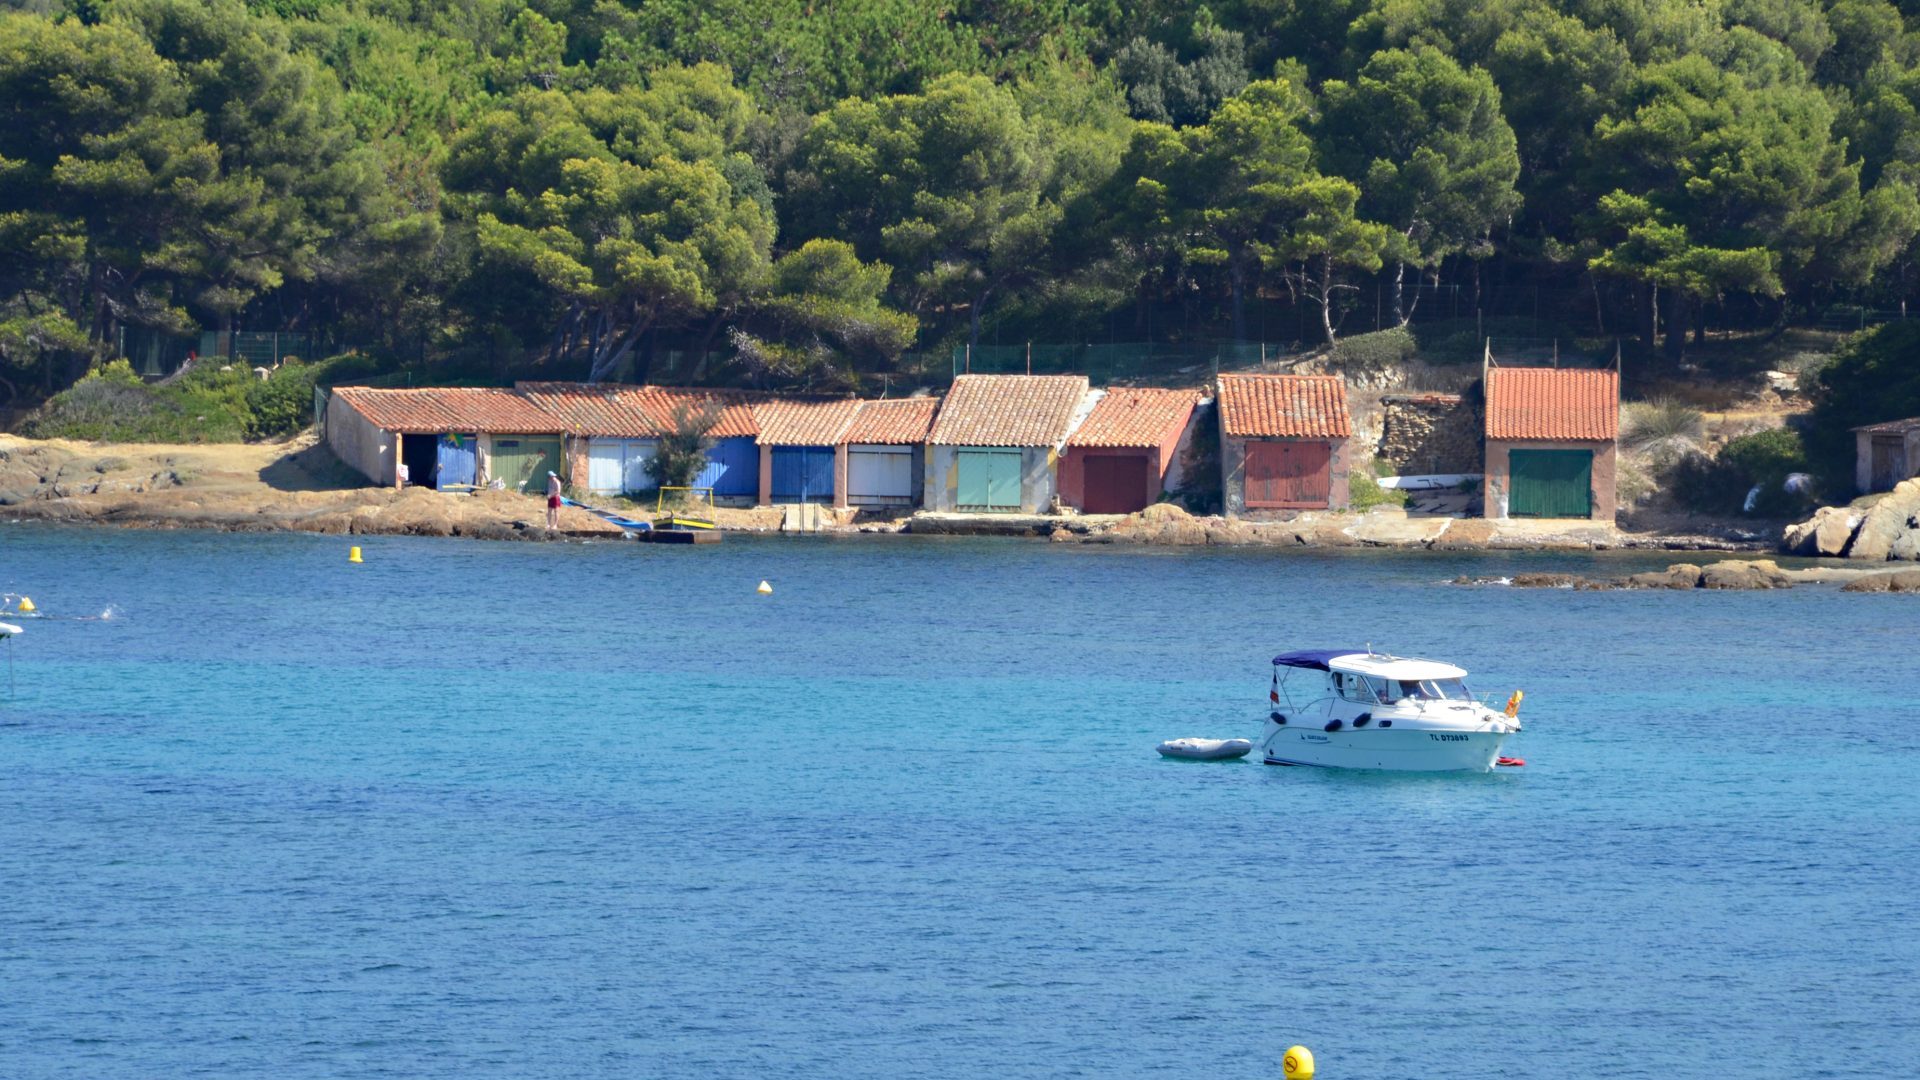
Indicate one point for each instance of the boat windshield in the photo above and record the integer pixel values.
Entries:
(1434, 690)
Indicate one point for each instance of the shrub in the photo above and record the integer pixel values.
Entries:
(1662, 428)
(1763, 459)
(1365, 492)
(1377, 351)
(682, 451)
(112, 404)
(282, 403)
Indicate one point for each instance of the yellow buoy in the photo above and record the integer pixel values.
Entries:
(353, 555)
(26, 605)
(1298, 1064)
(765, 589)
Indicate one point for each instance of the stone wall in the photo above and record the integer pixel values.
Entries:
(1431, 433)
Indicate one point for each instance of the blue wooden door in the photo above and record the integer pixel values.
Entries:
(457, 461)
(803, 473)
(733, 468)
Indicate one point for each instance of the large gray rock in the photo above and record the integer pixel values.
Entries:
(1736, 574)
(1906, 581)
(1827, 532)
(1677, 576)
(1894, 514)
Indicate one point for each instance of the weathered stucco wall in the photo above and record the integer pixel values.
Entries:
(354, 440)
(1496, 486)
(1432, 433)
(1233, 476)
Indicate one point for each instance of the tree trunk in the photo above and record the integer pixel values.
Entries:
(1237, 272)
(1646, 310)
(1677, 325)
(1400, 313)
(1326, 296)
(975, 309)
(1700, 324)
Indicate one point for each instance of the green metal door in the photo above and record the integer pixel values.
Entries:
(523, 462)
(989, 480)
(1550, 483)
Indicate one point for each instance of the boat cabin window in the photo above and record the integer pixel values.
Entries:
(1364, 689)
(1433, 690)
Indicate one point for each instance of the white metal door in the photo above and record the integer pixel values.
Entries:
(604, 466)
(880, 474)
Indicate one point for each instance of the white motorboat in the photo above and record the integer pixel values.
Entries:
(1358, 709)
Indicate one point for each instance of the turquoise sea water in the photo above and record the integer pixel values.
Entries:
(513, 810)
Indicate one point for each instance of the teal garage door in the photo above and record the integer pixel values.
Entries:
(989, 480)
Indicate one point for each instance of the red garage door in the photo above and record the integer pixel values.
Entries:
(1115, 484)
(1288, 475)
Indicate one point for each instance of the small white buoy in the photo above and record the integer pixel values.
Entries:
(764, 589)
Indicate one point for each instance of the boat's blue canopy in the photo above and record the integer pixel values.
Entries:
(1313, 658)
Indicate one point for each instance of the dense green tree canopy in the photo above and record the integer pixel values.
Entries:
(813, 189)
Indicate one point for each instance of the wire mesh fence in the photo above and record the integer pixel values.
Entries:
(1122, 361)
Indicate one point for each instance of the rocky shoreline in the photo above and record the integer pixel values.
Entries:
(299, 487)
(1743, 574)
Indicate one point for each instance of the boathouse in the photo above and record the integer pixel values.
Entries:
(1885, 454)
(1551, 442)
(996, 440)
(886, 449)
(803, 452)
(610, 438)
(1117, 461)
(448, 437)
(1283, 443)
(733, 459)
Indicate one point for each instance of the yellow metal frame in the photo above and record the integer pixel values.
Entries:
(677, 521)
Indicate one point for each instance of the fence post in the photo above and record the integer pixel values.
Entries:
(969, 370)
(1029, 357)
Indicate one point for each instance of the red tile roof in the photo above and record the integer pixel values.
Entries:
(610, 409)
(736, 408)
(449, 409)
(1135, 417)
(800, 422)
(1553, 403)
(893, 422)
(1008, 410)
(1284, 406)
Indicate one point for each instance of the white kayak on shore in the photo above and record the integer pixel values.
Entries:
(1206, 749)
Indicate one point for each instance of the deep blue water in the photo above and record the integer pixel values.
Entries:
(512, 810)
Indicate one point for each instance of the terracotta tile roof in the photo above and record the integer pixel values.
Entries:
(1135, 417)
(1553, 403)
(449, 409)
(1892, 427)
(803, 422)
(1008, 410)
(736, 407)
(1285, 406)
(893, 422)
(597, 409)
